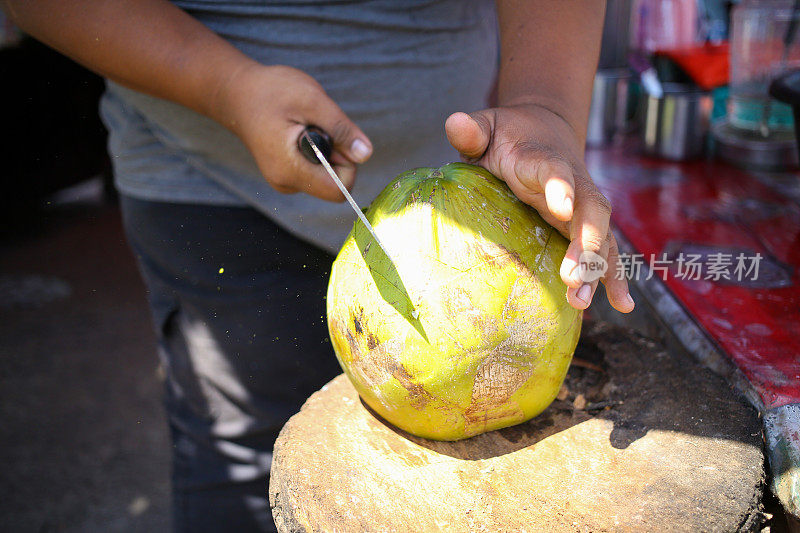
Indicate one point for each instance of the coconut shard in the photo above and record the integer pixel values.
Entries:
(464, 328)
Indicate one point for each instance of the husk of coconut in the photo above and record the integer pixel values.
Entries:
(464, 327)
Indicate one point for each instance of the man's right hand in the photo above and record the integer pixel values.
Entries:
(154, 47)
(268, 107)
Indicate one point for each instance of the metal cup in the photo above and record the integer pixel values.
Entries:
(676, 125)
(608, 114)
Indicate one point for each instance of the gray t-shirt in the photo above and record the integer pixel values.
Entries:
(398, 68)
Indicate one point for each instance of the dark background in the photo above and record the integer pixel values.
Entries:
(83, 440)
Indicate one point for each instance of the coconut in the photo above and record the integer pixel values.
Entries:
(463, 327)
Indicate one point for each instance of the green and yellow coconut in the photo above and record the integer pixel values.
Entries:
(463, 327)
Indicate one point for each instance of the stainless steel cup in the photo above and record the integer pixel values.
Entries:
(675, 126)
(608, 114)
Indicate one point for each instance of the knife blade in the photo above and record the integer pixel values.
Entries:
(308, 135)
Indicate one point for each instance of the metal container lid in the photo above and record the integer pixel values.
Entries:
(750, 150)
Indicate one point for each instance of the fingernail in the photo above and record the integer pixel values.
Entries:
(568, 204)
(629, 298)
(584, 293)
(360, 150)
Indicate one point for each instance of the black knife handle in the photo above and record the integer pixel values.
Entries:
(320, 138)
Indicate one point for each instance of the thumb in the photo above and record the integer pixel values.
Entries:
(347, 138)
(469, 134)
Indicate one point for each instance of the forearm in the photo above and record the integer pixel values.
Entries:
(148, 45)
(549, 53)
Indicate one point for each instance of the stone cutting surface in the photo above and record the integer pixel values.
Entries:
(639, 440)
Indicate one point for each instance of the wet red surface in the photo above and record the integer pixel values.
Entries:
(705, 209)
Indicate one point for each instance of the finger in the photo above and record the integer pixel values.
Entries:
(558, 183)
(581, 297)
(346, 137)
(469, 134)
(588, 229)
(314, 182)
(542, 181)
(302, 175)
(322, 186)
(616, 286)
(537, 171)
(539, 175)
(344, 168)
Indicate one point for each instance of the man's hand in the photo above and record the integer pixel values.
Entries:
(538, 154)
(154, 47)
(268, 107)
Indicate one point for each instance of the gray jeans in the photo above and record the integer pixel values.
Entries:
(238, 306)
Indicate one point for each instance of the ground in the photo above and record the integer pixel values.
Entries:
(83, 438)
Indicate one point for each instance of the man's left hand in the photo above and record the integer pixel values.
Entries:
(540, 156)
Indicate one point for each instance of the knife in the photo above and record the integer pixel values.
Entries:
(315, 145)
